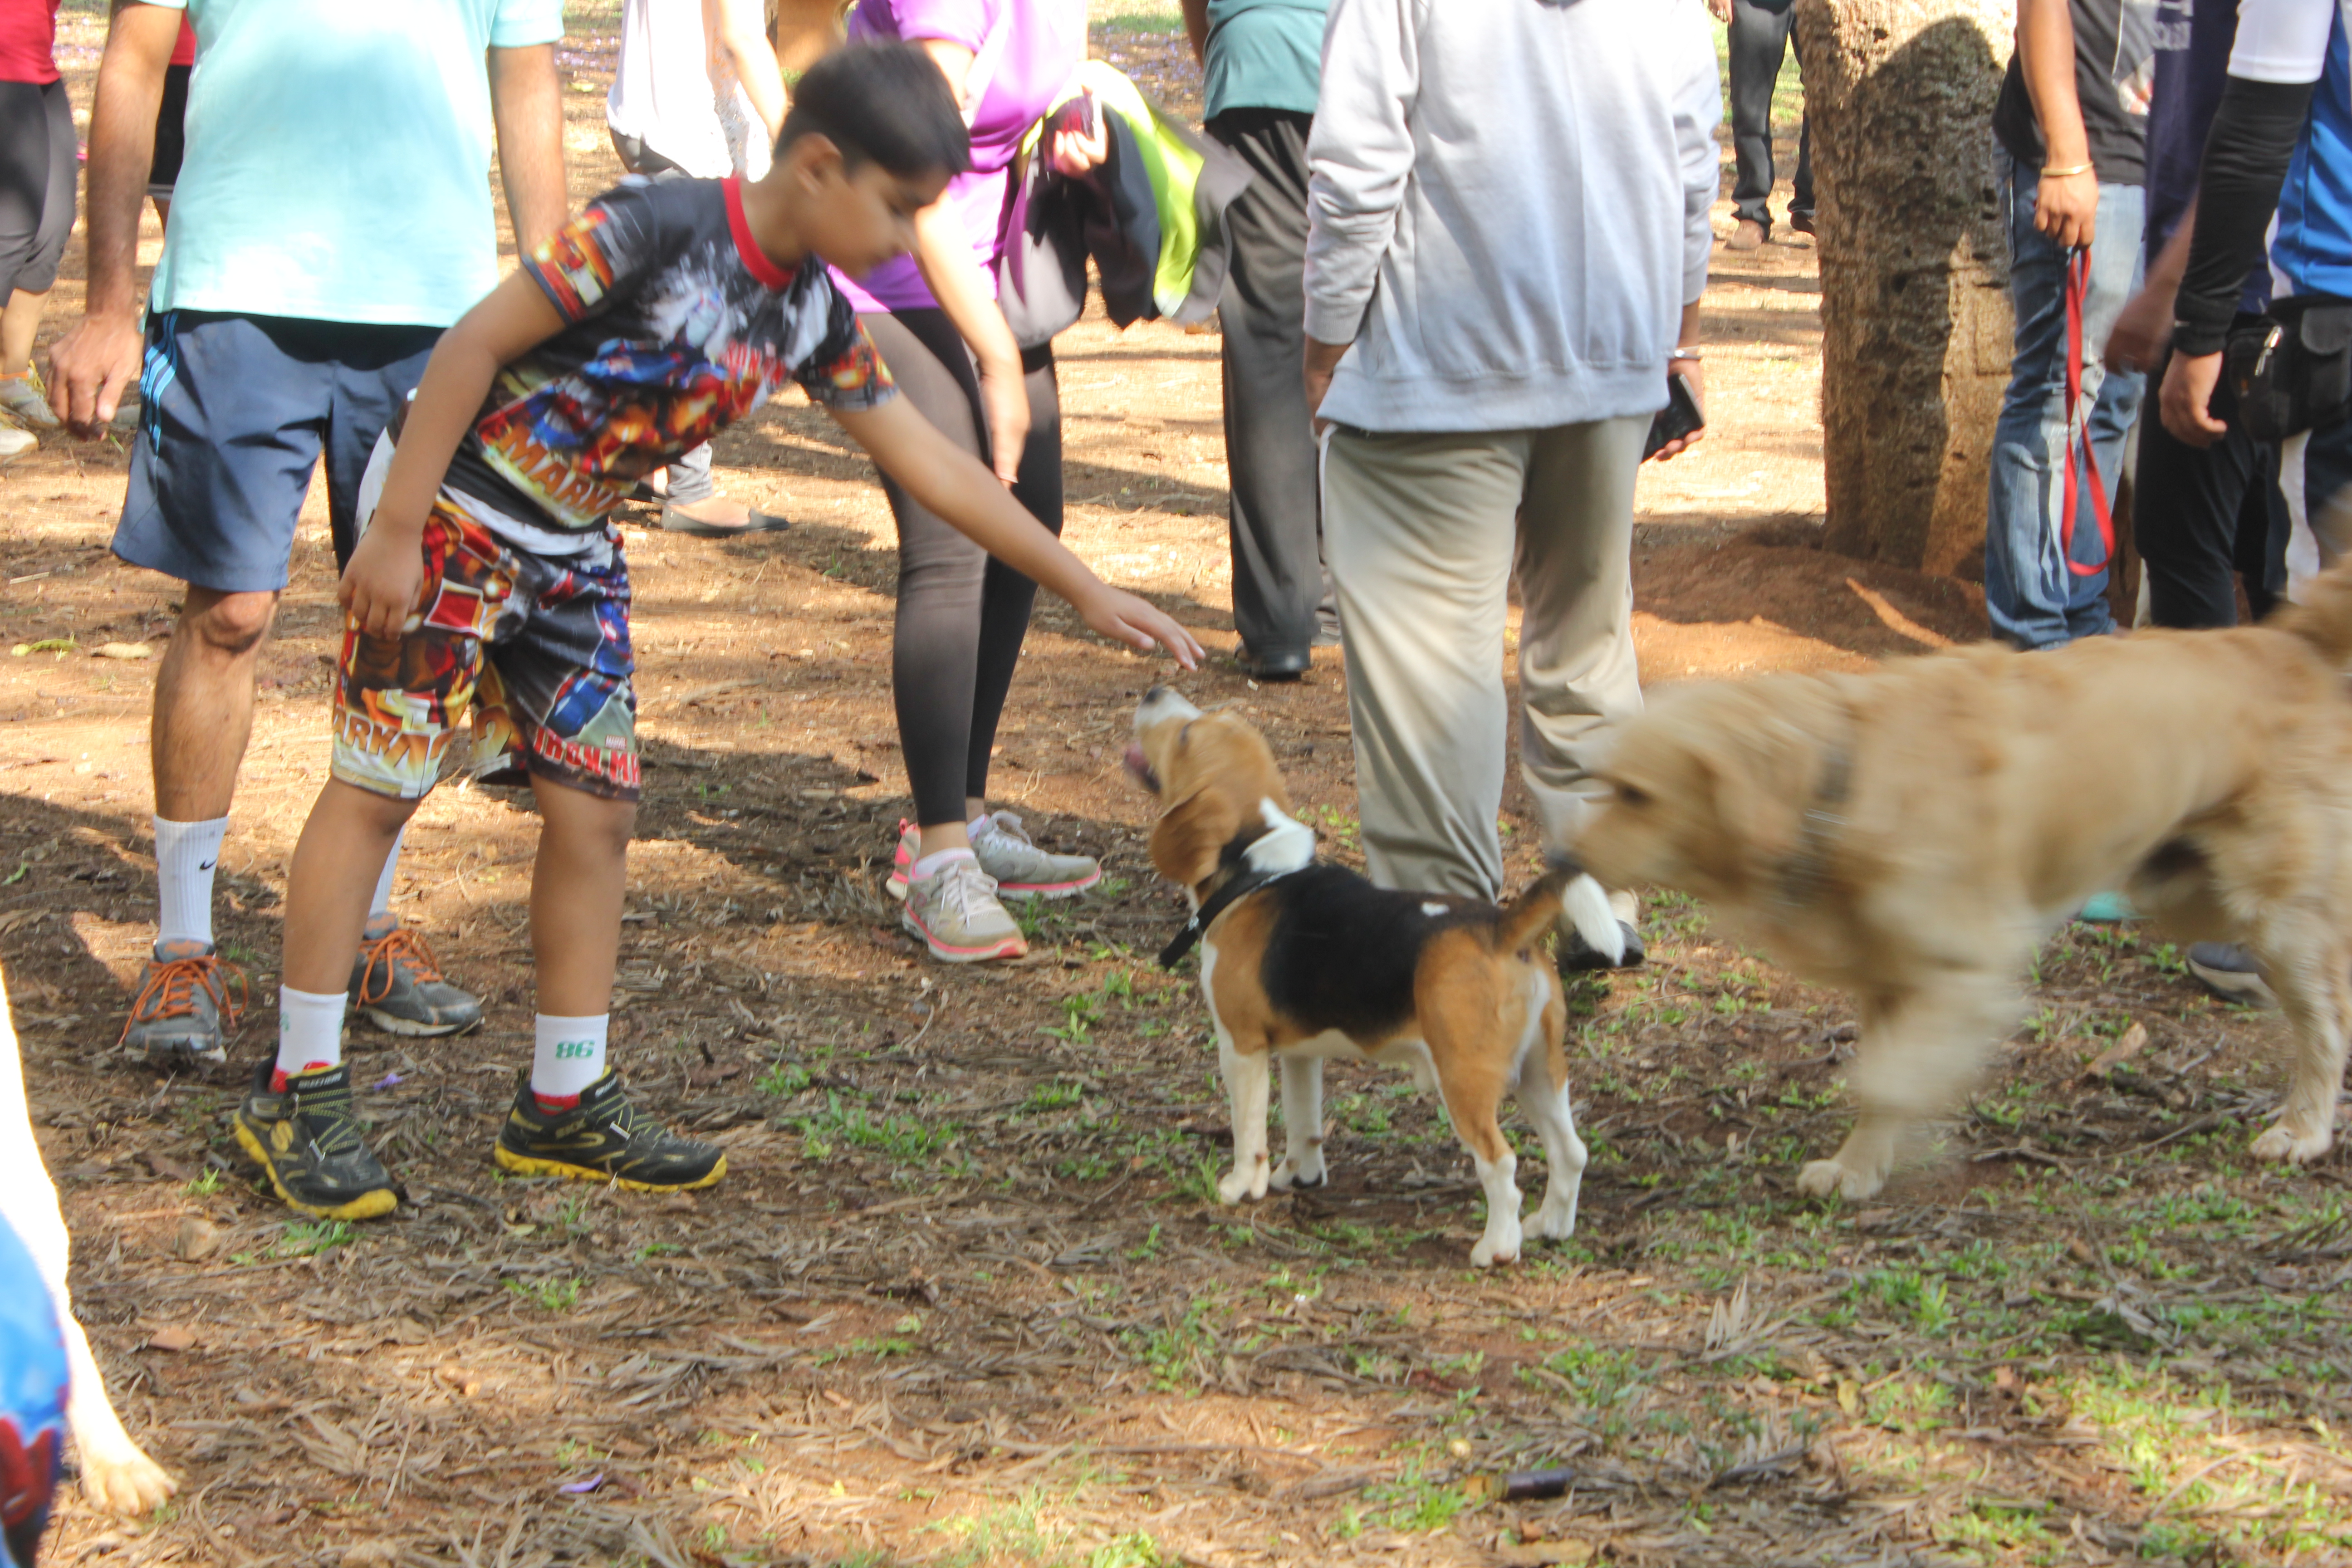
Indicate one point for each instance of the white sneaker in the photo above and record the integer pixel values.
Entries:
(954, 910)
(1023, 870)
(15, 440)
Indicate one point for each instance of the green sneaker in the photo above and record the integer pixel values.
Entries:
(604, 1138)
(308, 1140)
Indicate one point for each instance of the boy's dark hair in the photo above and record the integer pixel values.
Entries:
(881, 102)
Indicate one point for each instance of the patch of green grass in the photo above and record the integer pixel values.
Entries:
(557, 1295)
(1175, 1353)
(301, 1238)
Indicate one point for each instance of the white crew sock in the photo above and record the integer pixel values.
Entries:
(185, 854)
(383, 905)
(930, 866)
(309, 1031)
(568, 1058)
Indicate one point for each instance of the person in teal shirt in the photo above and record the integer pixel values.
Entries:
(332, 215)
(1262, 61)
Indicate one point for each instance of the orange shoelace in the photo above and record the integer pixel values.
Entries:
(172, 986)
(395, 946)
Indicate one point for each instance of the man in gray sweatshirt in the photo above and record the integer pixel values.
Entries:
(1508, 203)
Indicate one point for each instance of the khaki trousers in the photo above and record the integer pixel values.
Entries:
(1422, 531)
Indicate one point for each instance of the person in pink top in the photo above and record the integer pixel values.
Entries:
(961, 617)
(36, 207)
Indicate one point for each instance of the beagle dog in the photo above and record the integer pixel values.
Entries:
(1301, 959)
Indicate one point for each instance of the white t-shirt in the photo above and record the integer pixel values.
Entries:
(338, 157)
(664, 94)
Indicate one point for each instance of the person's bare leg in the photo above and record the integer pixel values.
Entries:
(203, 715)
(20, 323)
(336, 864)
(577, 890)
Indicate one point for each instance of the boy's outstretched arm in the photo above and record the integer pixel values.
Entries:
(387, 571)
(949, 480)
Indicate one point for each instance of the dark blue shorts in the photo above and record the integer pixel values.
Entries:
(236, 412)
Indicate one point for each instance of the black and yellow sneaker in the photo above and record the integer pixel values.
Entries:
(602, 1138)
(308, 1140)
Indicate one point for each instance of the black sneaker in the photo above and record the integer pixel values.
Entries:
(603, 1138)
(2229, 972)
(1578, 956)
(308, 1140)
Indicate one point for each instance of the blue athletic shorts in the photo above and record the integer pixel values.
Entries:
(236, 412)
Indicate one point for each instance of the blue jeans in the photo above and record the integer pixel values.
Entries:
(2033, 600)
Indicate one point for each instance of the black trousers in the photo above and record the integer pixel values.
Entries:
(962, 613)
(1759, 39)
(2205, 517)
(1282, 593)
(37, 179)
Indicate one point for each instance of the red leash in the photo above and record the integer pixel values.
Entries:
(2078, 426)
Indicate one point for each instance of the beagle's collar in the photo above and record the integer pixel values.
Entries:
(1286, 846)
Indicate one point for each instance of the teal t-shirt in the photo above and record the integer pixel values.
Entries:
(1265, 54)
(339, 158)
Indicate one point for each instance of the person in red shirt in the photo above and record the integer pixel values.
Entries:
(37, 207)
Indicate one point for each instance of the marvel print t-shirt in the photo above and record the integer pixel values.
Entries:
(2115, 68)
(677, 326)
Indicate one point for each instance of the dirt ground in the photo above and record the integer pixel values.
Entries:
(966, 1297)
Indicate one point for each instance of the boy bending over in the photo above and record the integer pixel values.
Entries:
(490, 579)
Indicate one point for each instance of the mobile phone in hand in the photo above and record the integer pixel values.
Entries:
(1678, 418)
(1081, 116)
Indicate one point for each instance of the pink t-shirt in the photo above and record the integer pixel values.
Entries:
(1043, 42)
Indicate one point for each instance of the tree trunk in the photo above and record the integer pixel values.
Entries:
(1916, 323)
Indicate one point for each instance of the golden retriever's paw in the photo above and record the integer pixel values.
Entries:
(2281, 1143)
(125, 1481)
(1295, 1173)
(1820, 1178)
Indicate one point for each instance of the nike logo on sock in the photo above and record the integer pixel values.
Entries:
(207, 865)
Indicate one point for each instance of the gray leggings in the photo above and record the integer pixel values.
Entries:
(962, 615)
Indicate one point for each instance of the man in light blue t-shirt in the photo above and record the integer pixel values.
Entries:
(332, 214)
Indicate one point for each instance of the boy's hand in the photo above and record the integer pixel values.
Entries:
(381, 586)
(1124, 617)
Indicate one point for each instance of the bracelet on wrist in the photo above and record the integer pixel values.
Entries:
(1682, 353)
(2068, 172)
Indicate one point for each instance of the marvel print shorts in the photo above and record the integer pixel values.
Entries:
(534, 652)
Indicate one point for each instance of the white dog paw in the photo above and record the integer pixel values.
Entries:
(1554, 1222)
(2279, 1143)
(126, 1483)
(1496, 1247)
(1292, 1173)
(1820, 1178)
(1233, 1188)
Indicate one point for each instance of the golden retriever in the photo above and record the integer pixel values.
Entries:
(1913, 835)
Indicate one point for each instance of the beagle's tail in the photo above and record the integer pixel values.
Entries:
(1565, 888)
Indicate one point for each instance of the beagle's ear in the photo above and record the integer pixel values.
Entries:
(1192, 835)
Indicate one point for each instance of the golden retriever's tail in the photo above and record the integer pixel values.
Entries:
(2323, 618)
(1565, 888)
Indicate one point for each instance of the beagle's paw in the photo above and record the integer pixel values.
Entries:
(1556, 1221)
(1499, 1245)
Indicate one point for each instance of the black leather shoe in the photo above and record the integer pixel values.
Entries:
(1286, 665)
